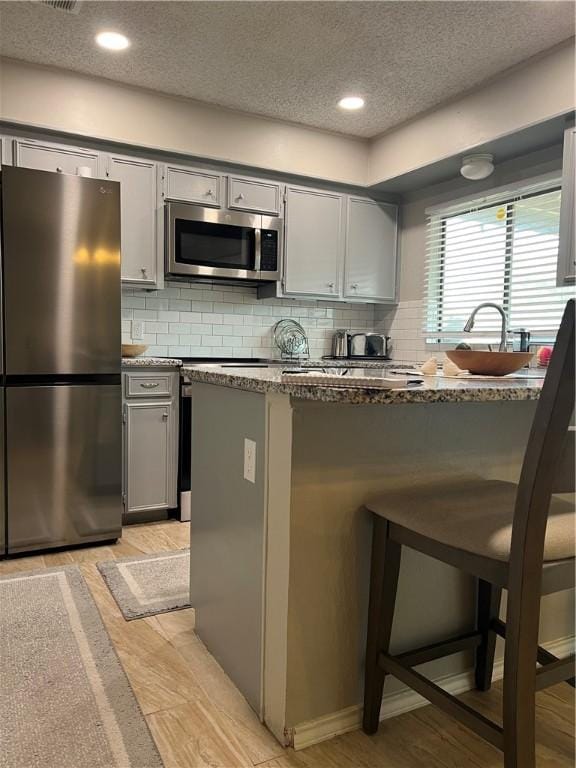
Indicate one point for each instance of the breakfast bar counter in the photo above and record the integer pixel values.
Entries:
(280, 538)
(433, 389)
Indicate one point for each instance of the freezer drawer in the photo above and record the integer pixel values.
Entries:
(64, 464)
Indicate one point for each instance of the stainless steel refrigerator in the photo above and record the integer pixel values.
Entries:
(61, 401)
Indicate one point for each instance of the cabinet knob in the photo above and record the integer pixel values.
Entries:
(330, 285)
(144, 272)
(165, 416)
(59, 170)
(210, 193)
(240, 196)
(354, 286)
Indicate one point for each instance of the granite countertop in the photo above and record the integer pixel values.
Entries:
(151, 362)
(341, 363)
(434, 389)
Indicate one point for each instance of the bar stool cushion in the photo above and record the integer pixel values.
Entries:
(473, 514)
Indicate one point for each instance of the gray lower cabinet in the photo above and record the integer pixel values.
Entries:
(150, 414)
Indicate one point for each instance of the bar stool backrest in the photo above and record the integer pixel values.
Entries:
(548, 465)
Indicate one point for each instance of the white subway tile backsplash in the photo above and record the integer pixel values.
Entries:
(202, 306)
(132, 302)
(182, 305)
(155, 327)
(178, 350)
(404, 325)
(145, 314)
(211, 317)
(187, 320)
(169, 315)
(156, 303)
(211, 341)
(192, 339)
(167, 338)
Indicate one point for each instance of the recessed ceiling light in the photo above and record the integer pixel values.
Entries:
(114, 41)
(351, 102)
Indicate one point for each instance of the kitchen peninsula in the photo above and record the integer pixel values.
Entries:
(280, 543)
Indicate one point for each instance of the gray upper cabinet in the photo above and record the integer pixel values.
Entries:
(140, 259)
(314, 242)
(5, 150)
(59, 158)
(189, 185)
(566, 254)
(370, 263)
(337, 246)
(246, 194)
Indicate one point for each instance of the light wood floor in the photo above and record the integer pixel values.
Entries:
(199, 720)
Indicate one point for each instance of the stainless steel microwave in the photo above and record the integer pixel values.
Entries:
(222, 244)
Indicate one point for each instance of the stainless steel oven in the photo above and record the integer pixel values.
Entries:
(210, 243)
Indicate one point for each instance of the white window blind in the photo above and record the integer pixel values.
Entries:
(501, 248)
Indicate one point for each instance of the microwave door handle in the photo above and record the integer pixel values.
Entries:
(257, 249)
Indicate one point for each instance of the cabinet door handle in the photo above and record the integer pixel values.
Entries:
(165, 417)
(149, 384)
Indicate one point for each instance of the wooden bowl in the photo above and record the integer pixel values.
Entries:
(489, 363)
(133, 350)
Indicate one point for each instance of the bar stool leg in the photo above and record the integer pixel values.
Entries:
(385, 566)
(519, 719)
(489, 598)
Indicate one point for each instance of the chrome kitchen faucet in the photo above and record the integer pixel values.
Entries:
(504, 330)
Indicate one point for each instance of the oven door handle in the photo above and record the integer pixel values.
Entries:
(257, 249)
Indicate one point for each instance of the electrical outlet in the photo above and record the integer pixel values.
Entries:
(250, 460)
(137, 329)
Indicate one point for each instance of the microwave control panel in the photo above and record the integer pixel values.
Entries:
(269, 250)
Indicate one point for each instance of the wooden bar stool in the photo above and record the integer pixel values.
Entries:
(514, 537)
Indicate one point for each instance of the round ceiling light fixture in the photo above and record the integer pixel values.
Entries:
(476, 167)
(112, 41)
(351, 102)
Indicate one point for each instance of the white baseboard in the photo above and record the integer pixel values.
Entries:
(322, 728)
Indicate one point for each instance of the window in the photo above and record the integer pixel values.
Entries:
(502, 248)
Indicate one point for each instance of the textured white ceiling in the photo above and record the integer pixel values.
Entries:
(294, 60)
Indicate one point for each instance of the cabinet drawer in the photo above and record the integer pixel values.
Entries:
(155, 385)
(192, 186)
(249, 195)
